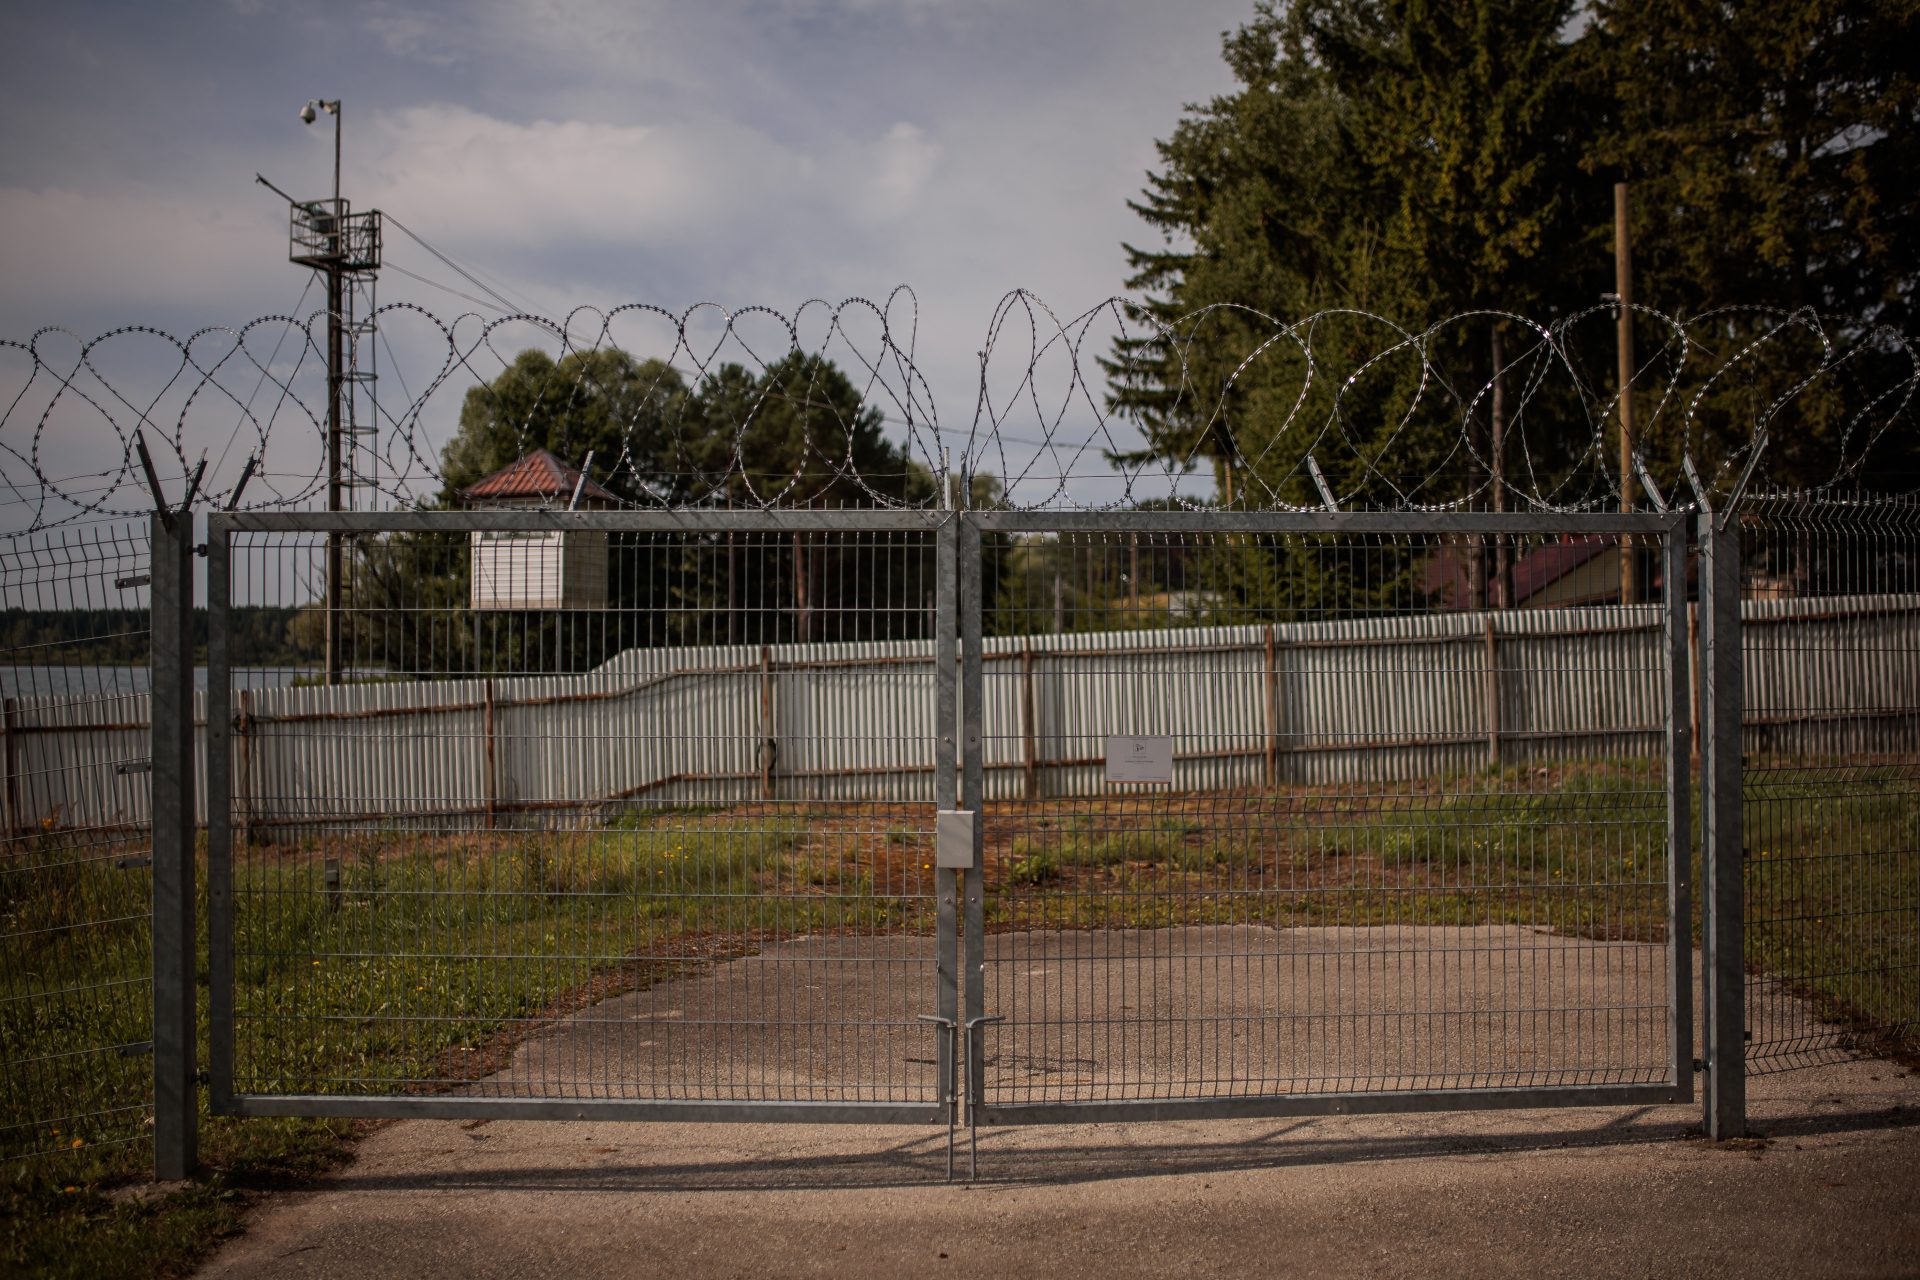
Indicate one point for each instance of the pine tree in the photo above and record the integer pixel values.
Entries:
(1407, 159)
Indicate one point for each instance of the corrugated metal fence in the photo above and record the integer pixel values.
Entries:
(1352, 700)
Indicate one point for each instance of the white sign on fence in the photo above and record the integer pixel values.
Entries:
(1137, 758)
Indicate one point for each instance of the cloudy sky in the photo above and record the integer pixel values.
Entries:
(594, 152)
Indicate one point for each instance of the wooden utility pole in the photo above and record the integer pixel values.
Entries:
(1623, 286)
(1502, 594)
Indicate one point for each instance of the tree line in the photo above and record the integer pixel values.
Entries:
(797, 433)
(267, 636)
(1418, 160)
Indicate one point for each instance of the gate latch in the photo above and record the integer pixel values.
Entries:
(956, 842)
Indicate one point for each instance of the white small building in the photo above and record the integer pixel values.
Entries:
(544, 569)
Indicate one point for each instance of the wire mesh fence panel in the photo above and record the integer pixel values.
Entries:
(1391, 818)
(638, 815)
(1830, 626)
(76, 994)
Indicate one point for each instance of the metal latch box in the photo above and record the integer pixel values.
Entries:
(956, 839)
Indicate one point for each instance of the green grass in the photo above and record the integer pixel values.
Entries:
(1039, 859)
(1582, 851)
(1833, 894)
(333, 987)
(74, 969)
(335, 975)
(1592, 827)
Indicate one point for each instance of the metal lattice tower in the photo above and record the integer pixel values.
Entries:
(345, 247)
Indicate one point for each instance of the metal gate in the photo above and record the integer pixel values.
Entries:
(815, 816)
(1278, 817)
(593, 814)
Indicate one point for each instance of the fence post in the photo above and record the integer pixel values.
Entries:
(1029, 730)
(948, 882)
(973, 930)
(243, 757)
(11, 761)
(769, 746)
(175, 1100)
(1270, 690)
(1693, 671)
(1724, 979)
(1676, 633)
(492, 778)
(227, 755)
(1490, 645)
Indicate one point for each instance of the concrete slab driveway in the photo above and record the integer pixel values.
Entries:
(1831, 1187)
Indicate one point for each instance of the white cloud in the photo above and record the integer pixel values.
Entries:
(493, 184)
(133, 253)
(904, 160)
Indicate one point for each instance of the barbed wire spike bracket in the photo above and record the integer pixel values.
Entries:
(1746, 472)
(580, 483)
(1699, 489)
(193, 484)
(153, 478)
(1654, 495)
(1320, 483)
(240, 485)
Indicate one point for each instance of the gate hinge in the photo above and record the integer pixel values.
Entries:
(133, 766)
(137, 580)
(133, 861)
(1699, 1066)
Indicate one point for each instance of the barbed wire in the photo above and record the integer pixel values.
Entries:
(1350, 409)
(1115, 406)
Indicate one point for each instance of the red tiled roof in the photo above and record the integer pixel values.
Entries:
(538, 475)
(1534, 572)
(1540, 569)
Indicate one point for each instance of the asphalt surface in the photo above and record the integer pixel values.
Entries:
(1831, 1186)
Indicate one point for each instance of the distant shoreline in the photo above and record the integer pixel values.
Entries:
(84, 679)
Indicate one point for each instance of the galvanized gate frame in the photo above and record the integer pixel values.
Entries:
(1722, 759)
(957, 1002)
(941, 1001)
(1668, 531)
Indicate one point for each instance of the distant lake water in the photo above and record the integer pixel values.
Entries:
(79, 682)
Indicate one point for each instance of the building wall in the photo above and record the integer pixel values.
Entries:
(538, 570)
